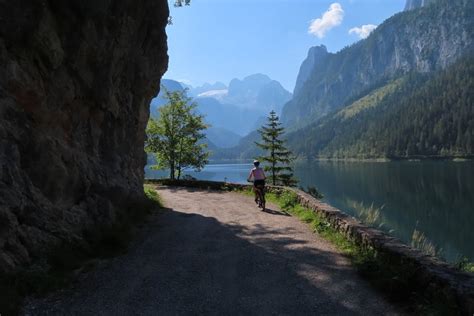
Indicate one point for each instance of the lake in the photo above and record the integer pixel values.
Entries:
(435, 198)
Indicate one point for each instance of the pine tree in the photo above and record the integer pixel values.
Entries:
(279, 157)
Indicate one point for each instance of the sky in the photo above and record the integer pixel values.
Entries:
(218, 40)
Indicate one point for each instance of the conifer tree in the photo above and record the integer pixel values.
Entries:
(278, 157)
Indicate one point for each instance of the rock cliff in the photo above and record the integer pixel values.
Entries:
(75, 87)
(423, 40)
(316, 56)
(415, 4)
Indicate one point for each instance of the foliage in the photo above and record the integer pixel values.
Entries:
(177, 4)
(424, 116)
(152, 195)
(279, 157)
(464, 264)
(421, 242)
(180, 3)
(175, 137)
(369, 215)
(395, 279)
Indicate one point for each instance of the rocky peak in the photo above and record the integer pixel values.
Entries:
(316, 55)
(421, 40)
(415, 4)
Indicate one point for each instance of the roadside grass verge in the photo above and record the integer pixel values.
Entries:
(65, 262)
(390, 278)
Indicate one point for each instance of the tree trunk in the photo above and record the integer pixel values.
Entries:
(172, 170)
(273, 163)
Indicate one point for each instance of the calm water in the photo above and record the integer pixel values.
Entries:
(436, 198)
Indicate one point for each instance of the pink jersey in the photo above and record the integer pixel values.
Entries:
(257, 174)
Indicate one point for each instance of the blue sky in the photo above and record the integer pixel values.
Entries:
(217, 40)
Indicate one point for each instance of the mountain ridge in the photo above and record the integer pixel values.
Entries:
(408, 41)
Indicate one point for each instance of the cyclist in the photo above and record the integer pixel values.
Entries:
(258, 177)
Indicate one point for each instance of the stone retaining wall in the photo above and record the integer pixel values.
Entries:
(432, 275)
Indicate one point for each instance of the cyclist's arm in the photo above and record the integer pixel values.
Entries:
(250, 175)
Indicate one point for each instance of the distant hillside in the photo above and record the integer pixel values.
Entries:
(425, 40)
(222, 138)
(419, 115)
(232, 118)
(245, 149)
(404, 92)
(235, 110)
(257, 92)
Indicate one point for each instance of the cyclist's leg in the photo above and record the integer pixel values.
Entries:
(260, 195)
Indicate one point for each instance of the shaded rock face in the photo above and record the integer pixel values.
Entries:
(75, 85)
(415, 4)
(316, 56)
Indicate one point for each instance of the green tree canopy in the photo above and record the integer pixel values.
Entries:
(175, 136)
(279, 157)
(180, 3)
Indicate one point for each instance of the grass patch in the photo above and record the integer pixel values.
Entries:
(393, 278)
(64, 262)
(465, 265)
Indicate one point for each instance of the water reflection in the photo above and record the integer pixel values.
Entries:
(435, 198)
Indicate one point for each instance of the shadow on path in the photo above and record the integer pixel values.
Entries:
(191, 264)
(274, 212)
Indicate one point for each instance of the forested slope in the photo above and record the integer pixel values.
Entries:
(421, 115)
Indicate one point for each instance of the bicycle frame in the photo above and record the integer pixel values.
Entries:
(260, 195)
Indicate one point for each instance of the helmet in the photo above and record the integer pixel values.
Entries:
(256, 162)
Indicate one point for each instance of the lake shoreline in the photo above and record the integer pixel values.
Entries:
(434, 198)
(381, 159)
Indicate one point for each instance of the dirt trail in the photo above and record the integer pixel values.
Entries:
(215, 253)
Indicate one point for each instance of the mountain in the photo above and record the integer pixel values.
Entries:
(196, 91)
(244, 92)
(232, 111)
(222, 138)
(258, 92)
(425, 40)
(245, 149)
(216, 137)
(396, 94)
(242, 106)
(316, 56)
(158, 101)
(227, 116)
(419, 115)
(415, 4)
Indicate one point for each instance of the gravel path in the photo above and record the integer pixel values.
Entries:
(215, 253)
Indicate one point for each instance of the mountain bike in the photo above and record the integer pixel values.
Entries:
(260, 196)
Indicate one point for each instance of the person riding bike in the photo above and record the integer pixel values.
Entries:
(258, 176)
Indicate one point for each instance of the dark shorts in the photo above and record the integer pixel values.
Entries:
(259, 183)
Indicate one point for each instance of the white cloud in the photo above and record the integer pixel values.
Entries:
(330, 19)
(363, 31)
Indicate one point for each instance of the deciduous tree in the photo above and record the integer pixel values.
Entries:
(175, 136)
